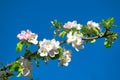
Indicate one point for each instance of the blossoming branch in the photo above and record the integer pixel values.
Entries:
(71, 33)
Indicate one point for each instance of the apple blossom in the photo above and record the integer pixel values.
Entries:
(65, 58)
(75, 39)
(28, 36)
(70, 25)
(93, 24)
(26, 66)
(49, 47)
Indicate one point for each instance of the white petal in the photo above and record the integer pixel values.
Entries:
(56, 52)
(43, 54)
(77, 49)
(26, 72)
(78, 27)
(33, 41)
(65, 64)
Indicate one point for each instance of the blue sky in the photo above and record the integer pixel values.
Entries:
(94, 62)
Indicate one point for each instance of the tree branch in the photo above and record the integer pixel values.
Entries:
(62, 42)
(90, 38)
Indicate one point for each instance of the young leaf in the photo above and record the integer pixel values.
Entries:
(108, 23)
(96, 31)
(93, 41)
(107, 44)
(19, 46)
(62, 34)
(30, 77)
(37, 63)
(55, 23)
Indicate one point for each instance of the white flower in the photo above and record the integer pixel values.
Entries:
(93, 24)
(26, 65)
(48, 47)
(70, 25)
(65, 58)
(28, 36)
(75, 39)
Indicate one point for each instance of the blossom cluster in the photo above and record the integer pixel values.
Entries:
(28, 36)
(73, 24)
(65, 58)
(75, 39)
(48, 47)
(93, 24)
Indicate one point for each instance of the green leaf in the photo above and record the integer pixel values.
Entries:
(115, 36)
(60, 25)
(109, 40)
(96, 31)
(10, 74)
(93, 41)
(19, 46)
(27, 52)
(27, 44)
(14, 67)
(62, 34)
(108, 23)
(85, 30)
(4, 78)
(60, 49)
(30, 77)
(58, 55)
(37, 63)
(55, 23)
(107, 44)
(55, 32)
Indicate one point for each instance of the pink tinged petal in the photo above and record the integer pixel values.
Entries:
(67, 25)
(89, 23)
(33, 41)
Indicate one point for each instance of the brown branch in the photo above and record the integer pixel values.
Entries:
(97, 37)
(26, 57)
(5, 67)
(90, 38)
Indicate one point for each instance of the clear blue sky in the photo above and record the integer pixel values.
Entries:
(94, 62)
